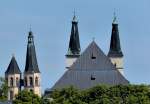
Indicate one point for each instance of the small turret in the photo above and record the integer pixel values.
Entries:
(74, 44)
(32, 73)
(115, 53)
(13, 77)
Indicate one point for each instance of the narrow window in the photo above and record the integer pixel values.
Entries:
(17, 82)
(115, 64)
(31, 81)
(25, 81)
(36, 81)
(11, 81)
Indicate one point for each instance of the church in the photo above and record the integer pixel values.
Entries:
(92, 67)
(31, 76)
(83, 70)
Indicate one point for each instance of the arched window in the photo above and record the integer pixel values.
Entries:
(17, 82)
(25, 81)
(115, 64)
(11, 81)
(31, 81)
(36, 81)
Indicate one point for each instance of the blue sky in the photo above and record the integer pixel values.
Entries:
(51, 24)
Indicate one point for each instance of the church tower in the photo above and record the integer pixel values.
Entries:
(13, 76)
(74, 44)
(32, 73)
(115, 53)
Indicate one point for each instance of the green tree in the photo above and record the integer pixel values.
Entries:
(27, 97)
(119, 94)
(3, 89)
(68, 95)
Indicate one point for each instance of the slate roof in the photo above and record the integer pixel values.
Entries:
(74, 44)
(115, 47)
(31, 60)
(93, 67)
(13, 67)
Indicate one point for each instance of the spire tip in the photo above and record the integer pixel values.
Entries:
(13, 55)
(93, 38)
(114, 18)
(74, 16)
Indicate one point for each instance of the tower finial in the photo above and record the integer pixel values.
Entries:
(30, 31)
(13, 55)
(74, 16)
(114, 18)
(74, 12)
(93, 38)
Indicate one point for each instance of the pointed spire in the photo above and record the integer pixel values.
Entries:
(31, 60)
(13, 67)
(115, 47)
(74, 44)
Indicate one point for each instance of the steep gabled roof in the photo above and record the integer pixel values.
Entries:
(13, 67)
(94, 59)
(93, 67)
(31, 60)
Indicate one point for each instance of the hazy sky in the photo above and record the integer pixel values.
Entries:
(51, 24)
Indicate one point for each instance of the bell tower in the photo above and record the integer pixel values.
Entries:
(115, 53)
(13, 76)
(74, 44)
(32, 75)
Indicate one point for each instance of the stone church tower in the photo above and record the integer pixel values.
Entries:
(74, 44)
(13, 76)
(32, 73)
(115, 53)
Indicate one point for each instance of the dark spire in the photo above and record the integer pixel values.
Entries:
(13, 67)
(115, 48)
(74, 44)
(31, 60)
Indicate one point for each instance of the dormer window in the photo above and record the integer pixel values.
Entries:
(93, 57)
(93, 77)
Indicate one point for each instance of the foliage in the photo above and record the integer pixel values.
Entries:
(102, 94)
(119, 94)
(27, 97)
(3, 89)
